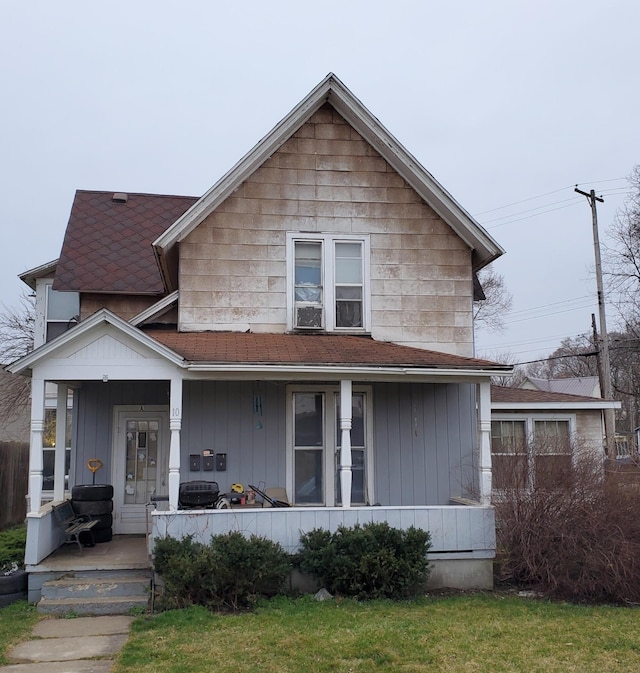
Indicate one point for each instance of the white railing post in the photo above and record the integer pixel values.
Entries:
(346, 475)
(35, 446)
(484, 421)
(175, 425)
(61, 442)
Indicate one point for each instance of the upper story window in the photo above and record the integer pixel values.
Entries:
(329, 282)
(62, 311)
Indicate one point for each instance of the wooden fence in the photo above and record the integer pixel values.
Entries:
(14, 476)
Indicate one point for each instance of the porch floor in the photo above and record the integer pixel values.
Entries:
(123, 552)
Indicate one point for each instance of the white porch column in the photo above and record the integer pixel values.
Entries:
(35, 447)
(61, 442)
(346, 475)
(175, 424)
(484, 418)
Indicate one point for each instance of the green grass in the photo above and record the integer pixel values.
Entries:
(466, 634)
(12, 542)
(16, 622)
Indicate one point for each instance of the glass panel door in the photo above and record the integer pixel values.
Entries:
(141, 461)
(308, 448)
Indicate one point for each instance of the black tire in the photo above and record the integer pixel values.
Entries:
(14, 583)
(104, 521)
(104, 535)
(91, 492)
(92, 507)
(7, 599)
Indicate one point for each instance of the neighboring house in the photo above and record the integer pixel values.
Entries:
(587, 386)
(306, 324)
(536, 435)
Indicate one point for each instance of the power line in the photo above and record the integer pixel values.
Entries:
(539, 196)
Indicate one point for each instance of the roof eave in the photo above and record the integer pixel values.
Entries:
(555, 406)
(43, 271)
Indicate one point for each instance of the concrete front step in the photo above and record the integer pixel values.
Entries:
(95, 593)
(118, 605)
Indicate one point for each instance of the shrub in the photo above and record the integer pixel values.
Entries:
(579, 541)
(231, 572)
(12, 543)
(369, 561)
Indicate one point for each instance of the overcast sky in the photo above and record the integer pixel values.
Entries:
(503, 101)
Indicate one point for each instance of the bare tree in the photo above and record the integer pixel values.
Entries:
(16, 340)
(490, 312)
(622, 255)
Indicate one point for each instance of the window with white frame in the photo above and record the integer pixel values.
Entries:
(316, 441)
(528, 451)
(48, 449)
(328, 282)
(62, 312)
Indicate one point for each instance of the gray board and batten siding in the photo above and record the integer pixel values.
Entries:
(423, 444)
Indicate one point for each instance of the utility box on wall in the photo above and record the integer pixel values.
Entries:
(221, 462)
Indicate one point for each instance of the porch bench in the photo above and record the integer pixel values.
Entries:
(73, 524)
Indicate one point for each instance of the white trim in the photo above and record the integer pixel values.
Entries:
(155, 309)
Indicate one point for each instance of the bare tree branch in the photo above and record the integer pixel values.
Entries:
(490, 313)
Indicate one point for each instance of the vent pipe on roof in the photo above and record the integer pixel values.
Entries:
(120, 197)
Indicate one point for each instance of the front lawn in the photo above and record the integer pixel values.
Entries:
(16, 622)
(470, 633)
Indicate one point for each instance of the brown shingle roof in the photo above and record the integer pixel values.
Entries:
(107, 245)
(507, 395)
(307, 349)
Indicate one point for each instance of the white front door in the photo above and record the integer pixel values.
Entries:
(140, 465)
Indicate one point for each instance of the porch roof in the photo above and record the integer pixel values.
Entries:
(506, 398)
(309, 349)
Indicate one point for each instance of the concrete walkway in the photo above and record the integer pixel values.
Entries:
(80, 645)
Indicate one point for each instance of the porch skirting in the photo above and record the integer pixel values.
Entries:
(463, 539)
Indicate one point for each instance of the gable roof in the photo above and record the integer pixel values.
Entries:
(503, 397)
(107, 244)
(331, 90)
(582, 385)
(92, 323)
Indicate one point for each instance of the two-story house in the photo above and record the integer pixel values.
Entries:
(305, 324)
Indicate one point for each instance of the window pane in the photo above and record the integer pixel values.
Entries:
(308, 258)
(348, 292)
(510, 471)
(62, 305)
(309, 294)
(552, 437)
(508, 437)
(348, 263)
(308, 476)
(348, 314)
(308, 421)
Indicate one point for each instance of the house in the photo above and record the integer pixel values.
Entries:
(587, 386)
(305, 324)
(536, 435)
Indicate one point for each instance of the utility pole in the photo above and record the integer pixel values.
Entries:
(603, 340)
